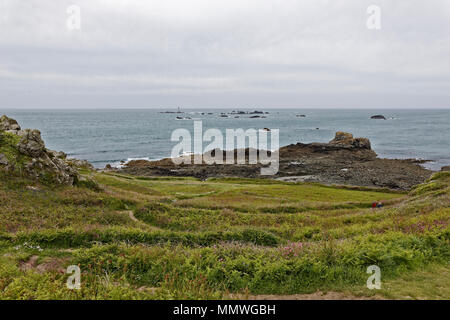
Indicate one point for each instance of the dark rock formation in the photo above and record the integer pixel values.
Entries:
(238, 112)
(344, 160)
(378, 116)
(247, 112)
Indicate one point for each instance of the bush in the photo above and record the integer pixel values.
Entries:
(70, 237)
(88, 183)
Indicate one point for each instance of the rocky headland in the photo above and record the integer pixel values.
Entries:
(344, 160)
(23, 152)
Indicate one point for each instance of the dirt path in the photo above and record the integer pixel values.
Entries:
(132, 217)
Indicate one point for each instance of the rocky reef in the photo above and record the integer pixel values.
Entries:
(23, 152)
(344, 160)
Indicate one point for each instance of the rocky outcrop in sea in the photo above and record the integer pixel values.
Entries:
(344, 160)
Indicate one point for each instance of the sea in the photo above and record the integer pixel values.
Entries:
(115, 136)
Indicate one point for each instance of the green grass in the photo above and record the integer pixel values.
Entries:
(430, 282)
(206, 239)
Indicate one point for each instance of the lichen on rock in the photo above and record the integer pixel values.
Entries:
(3, 160)
(31, 143)
(344, 139)
(24, 152)
(8, 124)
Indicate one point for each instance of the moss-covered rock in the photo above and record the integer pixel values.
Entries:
(23, 152)
(87, 182)
(11, 159)
(7, 124)
(31, 143)
(3, 160)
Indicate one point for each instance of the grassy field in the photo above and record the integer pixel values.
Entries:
(182, 238)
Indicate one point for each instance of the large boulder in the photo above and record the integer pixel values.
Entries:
(26, 154)
(80, 164)
(346, 140)
(56, 154)
(342, 138)
(31, 143)
(3, 160)
(362, 143)
(51, 170)
(7, 124)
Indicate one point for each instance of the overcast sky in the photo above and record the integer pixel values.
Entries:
(227, 53)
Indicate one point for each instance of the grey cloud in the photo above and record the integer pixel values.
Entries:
(291, 53)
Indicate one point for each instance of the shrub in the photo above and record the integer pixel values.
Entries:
(70, 237)
(88, 183)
